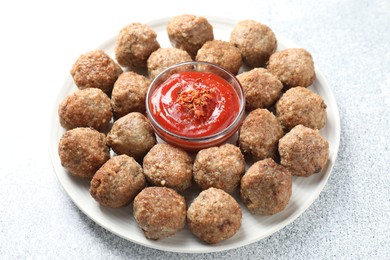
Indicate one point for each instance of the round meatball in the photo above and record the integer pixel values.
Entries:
(82, 151)
(132, 135)
(214, 216)
(134, 45)
(117, 182)
(95, 69)
(301, 106)
(266, 187)
(189, 32)
(164, 58)
(256, 42)
(294, 67)
(168, 166)
(86, 108)
(159, 211)
(221, 53)
(303, 151)
(261, 88)
(259, 134)
(129, 94)
(219, 167)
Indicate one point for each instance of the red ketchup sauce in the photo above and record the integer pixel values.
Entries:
(195, 104)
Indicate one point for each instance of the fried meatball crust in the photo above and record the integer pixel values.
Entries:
(259, 134)
(133, 135)
(266, 187)
(294, 67)
(219, 167)
(134, 45)
(168, 166)
(89, 107)
(129, 94)
(221, 53)
(117, 182)
(95, 69)
(301, 106)
(261, 88)
(214, 216)
(256, 41)
(189, 32)
(159, 211)
(83, 151)
(303, 151)
(164, 58)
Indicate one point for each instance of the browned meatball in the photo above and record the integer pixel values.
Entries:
(86, 108)
(129, 93)
(117, 182)
(82, 151)
(221, 53)
(95, 69)
(301, 106)
(255, 40)
(134, 45)
(259, 134)
(164, 58)
(132, 135)
(219, 167)
(261, 88)
(214, 216)
(168, 166)
(294, 67)
(303, 151)
(266, 187)
(189, 32)
(159, 211)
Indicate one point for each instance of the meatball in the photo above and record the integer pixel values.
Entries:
(221, 53)
(168, 166)
(134, 45)
(129, 94)
(214, 216)
(189, 32)
(261, 88)
(117, 182)
(159, 211)
(259, 134)
(95, 69)
(266, 187)
(294, 67)
(164, 58)
(219, 167)
(86, 108)
(256, 42)
(82, 151)
(132, 135)
(301, 106)
(303, 151)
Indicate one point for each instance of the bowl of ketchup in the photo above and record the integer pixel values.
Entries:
(195, 105)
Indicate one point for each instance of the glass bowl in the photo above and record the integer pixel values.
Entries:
(183, 139)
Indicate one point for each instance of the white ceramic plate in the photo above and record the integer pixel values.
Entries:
(254, 228)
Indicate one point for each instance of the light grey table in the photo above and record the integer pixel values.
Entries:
(350, 42)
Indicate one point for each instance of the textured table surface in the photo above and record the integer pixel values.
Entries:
(350, 43)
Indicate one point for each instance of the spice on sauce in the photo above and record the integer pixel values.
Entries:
(195, 104)
(197, 101)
